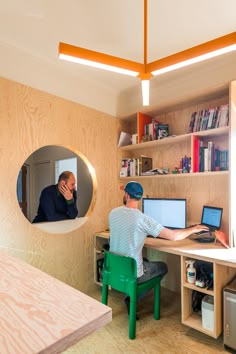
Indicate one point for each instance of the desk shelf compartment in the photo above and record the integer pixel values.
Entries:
(222, 275)
(199, 289)
(99, 242)
(191, 318)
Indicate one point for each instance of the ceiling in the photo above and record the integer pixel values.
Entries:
(30, 31)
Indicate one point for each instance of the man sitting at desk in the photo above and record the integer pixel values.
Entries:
(129, 227)
(58, 201)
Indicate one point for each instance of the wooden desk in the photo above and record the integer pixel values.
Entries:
(224, 269)
(204, 251)
(40, 314)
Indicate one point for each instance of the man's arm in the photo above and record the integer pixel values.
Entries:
(72, 210)
(181, 234)
(70, 198)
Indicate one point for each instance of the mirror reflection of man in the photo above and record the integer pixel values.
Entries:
(58, 201)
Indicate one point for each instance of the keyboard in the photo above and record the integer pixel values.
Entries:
(205, 239)
(202, 232)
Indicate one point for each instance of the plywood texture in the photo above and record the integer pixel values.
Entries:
(198, 190)
(39, 314)
(29, 120)
(166, 336)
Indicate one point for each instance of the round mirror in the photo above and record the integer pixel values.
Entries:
(42, 169)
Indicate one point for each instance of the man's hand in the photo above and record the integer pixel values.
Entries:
(65, 191)
(198, 228)
(181, 234)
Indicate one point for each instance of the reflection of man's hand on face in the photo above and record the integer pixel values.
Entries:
(65, 191)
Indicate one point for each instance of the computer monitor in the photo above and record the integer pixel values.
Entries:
(169, 212)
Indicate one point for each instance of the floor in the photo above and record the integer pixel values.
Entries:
(165, 336)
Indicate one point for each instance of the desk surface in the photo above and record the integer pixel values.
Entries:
(40, 314)
(209, 252)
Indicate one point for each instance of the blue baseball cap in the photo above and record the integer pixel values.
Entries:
(134, 189)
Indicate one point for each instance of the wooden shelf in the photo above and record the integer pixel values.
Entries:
(197, 288)
(213, 132)
(179, 175)
(155, 143)
(195, 321)
(176, 139)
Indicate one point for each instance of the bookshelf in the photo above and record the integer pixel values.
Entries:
(214, 188)
(199, 188)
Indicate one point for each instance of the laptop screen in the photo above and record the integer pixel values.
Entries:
(211, 217)
(168, 212)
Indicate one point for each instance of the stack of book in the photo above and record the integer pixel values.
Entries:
(209, 118)
(155, 130)
(207, 157)
(131, 167)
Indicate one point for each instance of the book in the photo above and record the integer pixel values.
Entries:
(134, 139)
(125, 167)
(199, 120)
(202, 157)
(223, 115)
(210, 118)
(162, 131)
(142, 120)
(214, 120)
(204, 122)
(192, 122)
(206, 159)
(195, 154)
(211, 156)
(125, 139)
(204, 119)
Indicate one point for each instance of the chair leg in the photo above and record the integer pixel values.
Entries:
(157, 293)
(132, 317)
(104, 294)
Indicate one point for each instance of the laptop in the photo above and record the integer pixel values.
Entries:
(211, 217)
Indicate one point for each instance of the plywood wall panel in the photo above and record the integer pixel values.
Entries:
(31, 119)
(199, 190)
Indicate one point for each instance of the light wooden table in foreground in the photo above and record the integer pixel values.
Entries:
(40, 314)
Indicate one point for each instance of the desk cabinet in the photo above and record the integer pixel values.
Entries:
(221, 276)
(224, 270)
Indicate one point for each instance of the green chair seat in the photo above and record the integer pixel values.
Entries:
(120, 273)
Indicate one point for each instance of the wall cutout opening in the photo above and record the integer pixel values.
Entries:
(41, 169)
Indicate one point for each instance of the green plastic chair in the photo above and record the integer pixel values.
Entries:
(120, 273)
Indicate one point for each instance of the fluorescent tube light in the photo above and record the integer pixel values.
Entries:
(94, 64)
(195, 60)
(145, 92)
(145, 70)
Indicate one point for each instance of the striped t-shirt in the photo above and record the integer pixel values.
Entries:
(128, 229)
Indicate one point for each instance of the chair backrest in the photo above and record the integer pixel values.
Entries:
(120, 272)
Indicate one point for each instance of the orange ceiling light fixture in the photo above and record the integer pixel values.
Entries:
(145, 71)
